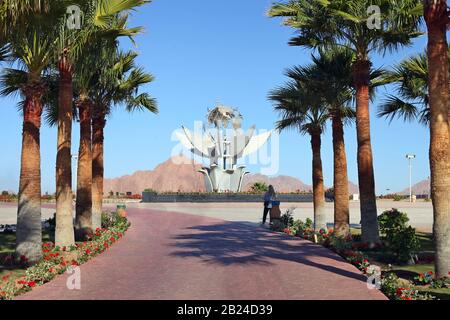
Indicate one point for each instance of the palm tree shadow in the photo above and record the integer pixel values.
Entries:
(229, 243)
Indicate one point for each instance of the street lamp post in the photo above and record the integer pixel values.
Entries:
(74, 171)
(410, 157)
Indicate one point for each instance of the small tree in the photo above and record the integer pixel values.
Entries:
(259, 187)
(400, 238)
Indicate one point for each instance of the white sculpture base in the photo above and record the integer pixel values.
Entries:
(220, 180)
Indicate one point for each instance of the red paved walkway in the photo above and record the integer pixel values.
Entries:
(177, 256)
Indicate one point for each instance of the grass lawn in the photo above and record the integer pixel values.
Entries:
(7, 244)
(409, 272)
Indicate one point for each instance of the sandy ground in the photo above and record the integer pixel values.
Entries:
(420, 213)
(8, 213)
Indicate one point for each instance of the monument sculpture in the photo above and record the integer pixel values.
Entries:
(223, 147)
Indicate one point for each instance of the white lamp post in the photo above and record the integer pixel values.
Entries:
(410, 157)
(74, 171)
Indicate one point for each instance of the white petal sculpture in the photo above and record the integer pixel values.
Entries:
(222, 149)
(256, 142)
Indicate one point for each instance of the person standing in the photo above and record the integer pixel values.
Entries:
(269, 196)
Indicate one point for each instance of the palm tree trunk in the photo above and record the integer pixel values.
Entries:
(341, 196)
(64, 233)
(369, 222)
(435, 13)
(98, 125)
(320, 219)
(83, 223)
(29, 228)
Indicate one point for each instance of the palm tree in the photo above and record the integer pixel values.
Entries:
(436, 17)
(412, 100)
(117, 84)
(32, 48)
(99, 22)
(302, 109)
(84, 80)
(346, 23)
(332, 70)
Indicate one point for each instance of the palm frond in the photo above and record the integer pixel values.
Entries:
(142, 102)
(107, 9)
(393, 107)
(12, 81)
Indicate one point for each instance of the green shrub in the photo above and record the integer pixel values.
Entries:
(287, 218)
(391, 221)
(304, 229)
(51, 222)
(340, 243)
(389, 285)
(259, 187)
(400, 238)
(112, 219)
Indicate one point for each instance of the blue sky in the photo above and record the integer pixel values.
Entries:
(204, 51)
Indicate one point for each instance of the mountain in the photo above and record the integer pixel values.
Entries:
(176, 174)
(280, 183)
(180, 174)
(422, 187)
(352, 188)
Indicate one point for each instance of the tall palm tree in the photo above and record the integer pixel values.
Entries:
(346, 23)
(332, 70)
(84, 81)
(412, 99)
(99, 21)
(302, 109)
(437, 20)
(32, 47)
(119, 85)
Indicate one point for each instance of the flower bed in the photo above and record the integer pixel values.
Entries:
(57, 260)
(389, 283)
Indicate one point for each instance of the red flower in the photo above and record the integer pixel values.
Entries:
(88, 251)
(21, 282)
(400, 291)
(31, 284)
(4, 278)
(50, 270)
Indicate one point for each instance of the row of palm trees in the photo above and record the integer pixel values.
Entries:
(342, 75)
(64, 74)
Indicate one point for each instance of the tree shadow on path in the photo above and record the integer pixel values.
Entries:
(229, 243)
